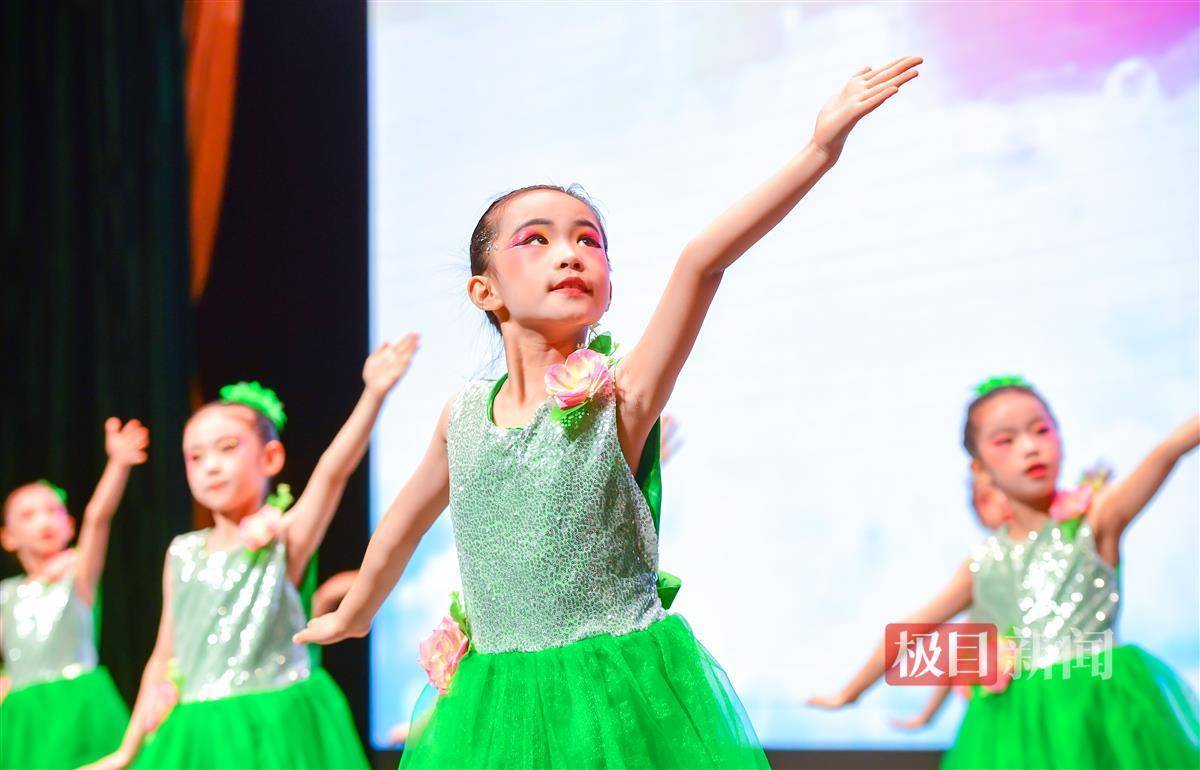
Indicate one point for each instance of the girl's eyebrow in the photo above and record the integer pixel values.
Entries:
(548, 223)
(544, 222)
(218, 440)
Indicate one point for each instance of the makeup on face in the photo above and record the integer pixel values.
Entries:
(529, 233)
(1019, 444)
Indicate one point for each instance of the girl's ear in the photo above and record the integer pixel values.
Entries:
(70, 528)
(610, 296)
(483, 294)
(7, 542)
(273, 458)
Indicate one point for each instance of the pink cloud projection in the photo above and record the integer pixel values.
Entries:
(1003, 49)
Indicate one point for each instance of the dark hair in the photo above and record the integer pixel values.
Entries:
(485, 229)
(262, 424)
(969, 434)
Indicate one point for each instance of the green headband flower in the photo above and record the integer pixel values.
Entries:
(56, 489)
(996, 383)
(257, 397)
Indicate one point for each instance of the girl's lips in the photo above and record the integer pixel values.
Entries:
(572, 286)
(1037, 471)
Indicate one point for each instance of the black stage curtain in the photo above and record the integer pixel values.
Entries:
(96, 319)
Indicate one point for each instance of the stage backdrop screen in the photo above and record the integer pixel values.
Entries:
(1027, 205)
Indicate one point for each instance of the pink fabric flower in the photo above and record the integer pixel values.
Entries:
(577, 379)
(163, 698)
(442, 651)
(259, 529)
(1007, 653)
(1071, 505)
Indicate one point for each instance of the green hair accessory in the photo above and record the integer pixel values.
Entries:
(993, 384)
(56, 489)
(282, 499)
(257, 397)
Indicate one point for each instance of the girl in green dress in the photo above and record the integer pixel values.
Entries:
(1067, 695)
(563, 656)
(226, 687)
(58, 707)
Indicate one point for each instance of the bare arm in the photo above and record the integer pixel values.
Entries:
(1117, 505)
(953, 599)
(415, 509)
(648, 374)
(126, 447)
(330, 593)
(154, 673)
(310, 516)
(932, 707)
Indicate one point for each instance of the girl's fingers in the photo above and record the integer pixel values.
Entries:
(893, 69)
(861, 72)
(877, 99)
(872, 71)
(112, 425)
(895, 82)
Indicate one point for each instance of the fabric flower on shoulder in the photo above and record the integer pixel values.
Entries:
(268, 524)
(1069, 507)
(576, 382)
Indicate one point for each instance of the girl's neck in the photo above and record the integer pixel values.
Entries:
(225, 523)
(1028, 517)
(36, 566)
(528, 354)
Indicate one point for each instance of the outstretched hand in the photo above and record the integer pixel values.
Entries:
(388, 363)
(910, 723)
(831, 702)
(868, 89)
(327, 629)
(126, 444)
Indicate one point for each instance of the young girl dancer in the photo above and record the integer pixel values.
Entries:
(225, 686)
(61, 710)
(1048, 582)
(570, 660)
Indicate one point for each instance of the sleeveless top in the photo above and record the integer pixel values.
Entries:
(233, 616)
(555, 539)
(1051, 591)
(45, 631)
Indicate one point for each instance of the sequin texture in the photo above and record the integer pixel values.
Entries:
(233, 617)
(45, 631)
(555, 540)
(1055, 592)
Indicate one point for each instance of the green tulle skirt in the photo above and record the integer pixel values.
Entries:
(649, 699)
(61, 724)
(306, 725)
(1141, 716)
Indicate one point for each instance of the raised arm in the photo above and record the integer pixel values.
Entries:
(953, 599)
(647, 375)
(147, 697)
(414, 510)
(126, 447)
(1117, 505)
(310, 516)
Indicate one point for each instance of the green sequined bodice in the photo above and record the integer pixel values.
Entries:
(233, 617)
(45, 631)
(1051, 590)
(555, 540)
